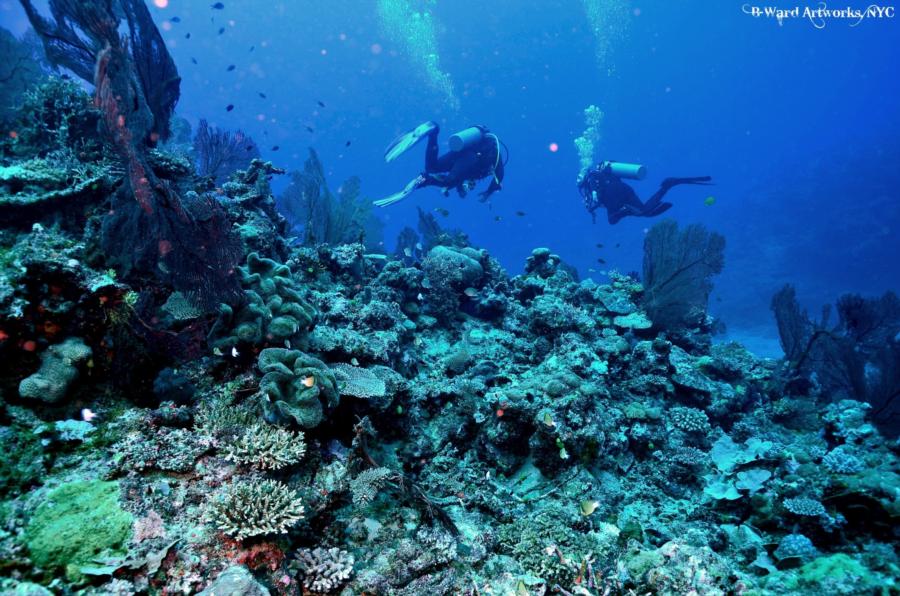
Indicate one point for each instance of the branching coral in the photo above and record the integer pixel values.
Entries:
(414, 31)
(254, 508)
(296, 387)
(368, 483)
(266, 447)
(323, 570)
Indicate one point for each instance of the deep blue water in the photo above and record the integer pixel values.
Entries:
(797, 125)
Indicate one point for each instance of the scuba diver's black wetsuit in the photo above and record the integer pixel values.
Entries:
(476, 155)
(601, 188)
(462, 169)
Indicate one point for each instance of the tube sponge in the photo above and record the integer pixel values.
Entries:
(587, 143)
(415, 33)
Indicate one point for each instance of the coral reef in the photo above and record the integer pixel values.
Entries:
(253, 508)
(220, 153)
(319, 216)
(59, 369)
(296, 387)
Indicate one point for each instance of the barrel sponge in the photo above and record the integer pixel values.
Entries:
(59, 369)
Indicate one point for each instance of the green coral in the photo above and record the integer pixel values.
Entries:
(836, 574)
(274, 311)
(294, 387)
(76, 523)
(59, 369)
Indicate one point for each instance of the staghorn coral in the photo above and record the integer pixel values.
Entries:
(254, 508)
(296, 387)
(266, 447)
(59, 369)
(322, 570)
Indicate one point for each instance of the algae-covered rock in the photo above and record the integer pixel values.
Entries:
(235, 581)
(76, 523)
(59, 369)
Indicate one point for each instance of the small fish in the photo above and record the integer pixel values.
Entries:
(710, 201)
(230, 68)
(229, 107)
(442, 211)
(175, 19)
(87, 415)
(187, 35)
(588, 507)
(309, 129)
(221, 30)
(347, 144)
(470, 292)
(249, 147)
(234, 352)
(420, 297)
(309, 381)
(599, 246)
(618, 244)
(418, 246)
(261, 94)
(498, 218)
(520, 213)
(275, 148)
(548, 420)
(194, 60)
(65, 77)
(217, 6)
(321, 103)
(601, 261)
(407, 251)
(251, 49)
(354, 361)
(217, 352)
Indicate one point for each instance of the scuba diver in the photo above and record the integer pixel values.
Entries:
(474, 154)
(602, 186)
